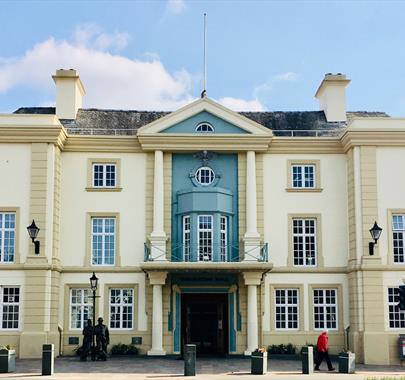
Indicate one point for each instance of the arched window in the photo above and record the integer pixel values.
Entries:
(204, 176)
(204, 127)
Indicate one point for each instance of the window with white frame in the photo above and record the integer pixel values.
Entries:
(7, 237)
(104, 175)
(325, 309)
(9, 307)
(204, 127)
(205, 237)
(398, 230)
(205, 176)
(186, 237)
(121, 308)
(103, 240)
(223, 238)
(303, 176)
(81, 308)
(396, 316)
(304, 241)
(286, 308)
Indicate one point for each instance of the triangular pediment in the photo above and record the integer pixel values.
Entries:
(201, 110)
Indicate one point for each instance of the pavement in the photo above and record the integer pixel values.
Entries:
(124, 368)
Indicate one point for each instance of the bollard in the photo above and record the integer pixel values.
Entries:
(189, 359)
(307, 354)
(47, 359)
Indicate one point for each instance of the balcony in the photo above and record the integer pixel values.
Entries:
(216, 258)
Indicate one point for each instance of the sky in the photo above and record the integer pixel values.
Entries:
(148, 55)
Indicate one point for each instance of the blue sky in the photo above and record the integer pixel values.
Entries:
(262, 55)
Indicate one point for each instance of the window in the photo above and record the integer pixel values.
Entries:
(204, 127)
(9, 307)
(80, 308)
(121, 308)
(104, 175)
(286, 308)
(303, 176)
(398, 230)
(396, 316)
(205, 237)
(304, 242)
(204, 176)
(103, 241)
(325, 309)
(7, 237)
(223, 238)
(186, 237)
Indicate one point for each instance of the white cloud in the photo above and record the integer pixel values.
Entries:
(236, 104)
(289, 76)
(176, 6)
(111, 80)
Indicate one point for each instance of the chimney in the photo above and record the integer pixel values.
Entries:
(331, 96)
(69, 93)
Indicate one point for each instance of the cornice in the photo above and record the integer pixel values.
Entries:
(110, 144)
(192, 142)
(302, 145)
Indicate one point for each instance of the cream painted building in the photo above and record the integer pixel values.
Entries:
(228, 230)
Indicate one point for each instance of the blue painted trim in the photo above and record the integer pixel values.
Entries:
(238, 313)
(176, 335)
(204, 290)
(170, 313)
(232, 332)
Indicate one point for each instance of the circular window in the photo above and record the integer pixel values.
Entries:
(204, 127)
(205, 176)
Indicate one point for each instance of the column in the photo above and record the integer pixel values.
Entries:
(158, 236)
(252, 280)
(252, 237)
(157, 280)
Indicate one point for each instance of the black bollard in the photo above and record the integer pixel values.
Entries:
(307, 354)
(189, 359)
(47, 359)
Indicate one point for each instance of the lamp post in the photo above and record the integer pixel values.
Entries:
(93, 286)
(375, 232)
(33, 232)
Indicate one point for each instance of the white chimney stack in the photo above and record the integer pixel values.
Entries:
(331, 96)
(69, 93)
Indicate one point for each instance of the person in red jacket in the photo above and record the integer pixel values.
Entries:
(322, 347)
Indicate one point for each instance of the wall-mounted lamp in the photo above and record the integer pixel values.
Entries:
(375, 232)
(33, 232)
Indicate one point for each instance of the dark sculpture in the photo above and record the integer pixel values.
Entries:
(102, 340)
(87, 340)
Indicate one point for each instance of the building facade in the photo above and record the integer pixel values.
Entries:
(227, 230)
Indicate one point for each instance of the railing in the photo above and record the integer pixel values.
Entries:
(308, 132)
(193, 253)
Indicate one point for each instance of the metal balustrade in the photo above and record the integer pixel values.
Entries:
(234, 253)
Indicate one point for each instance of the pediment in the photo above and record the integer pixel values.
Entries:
(184, 121)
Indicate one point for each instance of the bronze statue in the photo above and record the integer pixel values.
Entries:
(87, 340)
(102, 339)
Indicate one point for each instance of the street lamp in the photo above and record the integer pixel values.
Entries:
(93, 287)
(375, 232)
(33, 232)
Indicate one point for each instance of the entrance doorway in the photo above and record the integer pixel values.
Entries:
(205, 322)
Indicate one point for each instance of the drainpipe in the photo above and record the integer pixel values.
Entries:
(60, 330)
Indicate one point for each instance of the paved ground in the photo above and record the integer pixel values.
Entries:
(207, 368)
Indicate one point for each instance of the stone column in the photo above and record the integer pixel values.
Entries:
(158, 236)
(252, 237)
(252, 280)
(157, 280)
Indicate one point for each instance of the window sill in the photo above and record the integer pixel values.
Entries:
(303, 190)
(104, 189)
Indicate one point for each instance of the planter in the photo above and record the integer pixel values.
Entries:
(347, 362)
(258, 363)
(7, 361)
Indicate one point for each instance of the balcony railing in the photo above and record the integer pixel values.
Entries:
(216, 253)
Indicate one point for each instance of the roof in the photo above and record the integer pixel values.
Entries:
(122, 122)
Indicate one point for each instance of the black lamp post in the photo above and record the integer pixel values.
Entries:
(93, 286)
(375, 232)
(33, 232)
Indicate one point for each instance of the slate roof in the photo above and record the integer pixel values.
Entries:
(120, 122)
